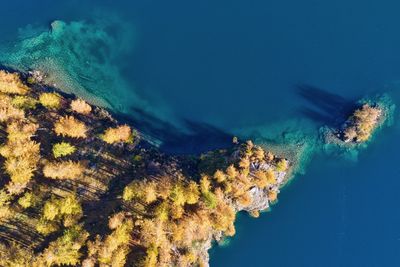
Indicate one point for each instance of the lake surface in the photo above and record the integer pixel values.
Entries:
(193, 74)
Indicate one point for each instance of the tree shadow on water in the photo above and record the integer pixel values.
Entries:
(327, 108)
(198, 137)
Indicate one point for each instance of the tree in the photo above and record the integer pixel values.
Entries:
(50, 100)
(178, 194)
(142, 190)
(232, 172)
(362, 123)
(70, 205)
(282, 165)
(8, 111)
(69, 126)
(80, 106)
(63, 149)
(115, 246)
(10, 83)
(151, 256)
(192, 193)
(65, 250)
(116, 220)
(46, 227)
(22, 154)
(210, 199)
(219, 176)
(272, 196)
(14, 255)
(51, 210)
(244, 163)
(205, 183)
(63, 170)
(121, 133)
(28, 200)
(271, 178)
(162, 211)
(259, 153)
(260, 179)
(24, 102)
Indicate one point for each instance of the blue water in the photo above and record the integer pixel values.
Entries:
(193, 73)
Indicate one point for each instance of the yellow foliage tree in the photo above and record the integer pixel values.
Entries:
(50, 100)
(66, 249)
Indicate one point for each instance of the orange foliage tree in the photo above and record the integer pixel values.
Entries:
(121, 133)
(69, 126)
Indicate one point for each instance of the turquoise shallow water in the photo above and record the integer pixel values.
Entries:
(193, 74)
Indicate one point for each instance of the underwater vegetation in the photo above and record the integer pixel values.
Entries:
(77, 57)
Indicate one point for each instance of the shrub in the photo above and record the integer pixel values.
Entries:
(120, 134)
(80, 106)
(63, 170)
(50, 100)
(69, 126)
(10, 83)
(63, 149)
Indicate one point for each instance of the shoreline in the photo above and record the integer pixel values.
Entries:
(165, 208)
(248, 163)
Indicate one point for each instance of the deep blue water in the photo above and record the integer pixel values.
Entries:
(211, 69)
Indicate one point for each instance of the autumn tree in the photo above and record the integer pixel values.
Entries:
(9, 111)
(71, 127)
(362, 123)
(63, 149)
(50, 100)
(10, 83)
(63, 170)
(141, 190)
(282, 165)
(121, 133)
(115, 246)
(22, 154)
(24, 102)
(80, 106)
(66, 250)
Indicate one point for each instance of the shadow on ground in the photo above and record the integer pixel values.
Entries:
(197, 138)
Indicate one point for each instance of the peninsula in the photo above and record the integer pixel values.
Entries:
(78, 188)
